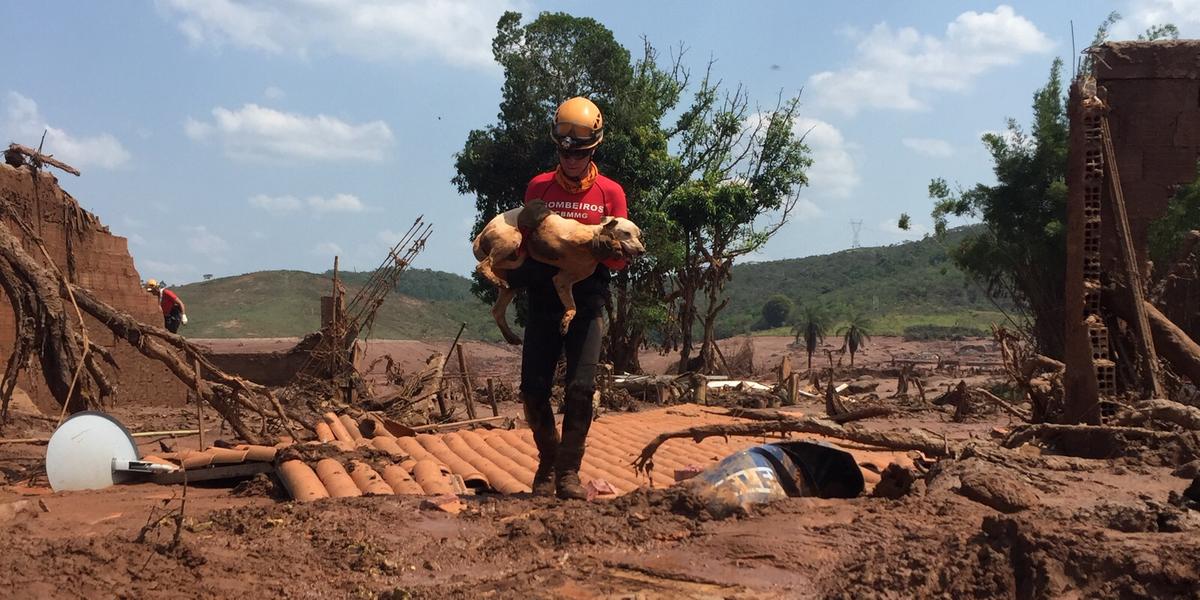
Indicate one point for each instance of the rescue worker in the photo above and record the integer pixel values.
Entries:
(574, 190)
(172, 306)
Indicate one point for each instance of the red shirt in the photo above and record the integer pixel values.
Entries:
(606, 198)
(169, 301)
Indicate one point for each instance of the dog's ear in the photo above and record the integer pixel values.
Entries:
(609, 224)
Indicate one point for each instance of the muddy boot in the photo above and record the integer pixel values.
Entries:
(577, 419)
(540, 417)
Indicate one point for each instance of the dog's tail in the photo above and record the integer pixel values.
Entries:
(531, 217)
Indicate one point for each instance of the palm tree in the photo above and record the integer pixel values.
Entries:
(855, 334)
(810, 326)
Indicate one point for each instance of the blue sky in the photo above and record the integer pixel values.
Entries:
(229, 136)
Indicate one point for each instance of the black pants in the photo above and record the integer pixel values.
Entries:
(174, 319)
(544, 345)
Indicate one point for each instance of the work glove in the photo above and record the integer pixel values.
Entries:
(183, 319)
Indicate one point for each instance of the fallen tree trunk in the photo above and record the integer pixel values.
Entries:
(219, 389)
(913, 439)
(67, 355)
(1187, 417)
(1009, 408)
(1102, 441)
(758, 414)
(43, 326)
(1171, 342)
(1174, 344)
(38, 158)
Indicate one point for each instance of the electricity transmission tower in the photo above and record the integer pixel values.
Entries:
(855, 226)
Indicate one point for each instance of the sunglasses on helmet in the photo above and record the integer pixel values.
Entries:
(575, 154)
(573, 130)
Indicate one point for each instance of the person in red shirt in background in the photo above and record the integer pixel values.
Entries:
(172, 306)
(574, 190)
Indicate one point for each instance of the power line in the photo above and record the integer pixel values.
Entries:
(855, 226)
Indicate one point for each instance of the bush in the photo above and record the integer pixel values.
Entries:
(776, 310)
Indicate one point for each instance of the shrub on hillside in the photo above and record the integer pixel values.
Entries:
(776, 310)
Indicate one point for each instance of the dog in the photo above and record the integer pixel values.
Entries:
(573, 247)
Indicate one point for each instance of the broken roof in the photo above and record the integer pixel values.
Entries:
(504, 461)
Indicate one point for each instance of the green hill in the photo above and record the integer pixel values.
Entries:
(897, 286)
(287, 303)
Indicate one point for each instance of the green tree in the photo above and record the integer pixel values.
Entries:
(1160, 32)
(776, 310)
(553, 58)
(811, 327)
(1021, 252)
(741, 165)
(855, 334)
(1166, 234)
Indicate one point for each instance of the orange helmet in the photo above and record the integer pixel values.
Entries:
(578, 125)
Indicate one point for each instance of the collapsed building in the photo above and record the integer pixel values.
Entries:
(42, 215)
(1135, 137)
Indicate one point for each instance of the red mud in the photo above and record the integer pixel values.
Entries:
(1022, 527)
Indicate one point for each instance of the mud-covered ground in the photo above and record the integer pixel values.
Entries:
(1002, 524)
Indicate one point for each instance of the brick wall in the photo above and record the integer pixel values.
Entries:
(97, 260)
(1153, 89)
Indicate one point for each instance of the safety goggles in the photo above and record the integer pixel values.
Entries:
(574, 154)
(573, 130)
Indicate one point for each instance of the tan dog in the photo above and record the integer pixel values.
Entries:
(571, 246)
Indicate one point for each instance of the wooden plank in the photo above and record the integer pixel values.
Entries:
(240, 471)
(492, 397)
(468, 393)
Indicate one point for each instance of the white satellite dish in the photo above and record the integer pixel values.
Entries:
(83, 451)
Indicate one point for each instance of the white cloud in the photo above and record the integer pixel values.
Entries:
(914, 231)
(260, 133)
(389, 238)
(338, 203)
(1143, 14)
(24, 123)
(458, 32)
(833, 172)
(327, 248)
(805, 210)
(206, 243)
(896, 68)
(929, 147)
(288, 204)
(275, 204)
(273, 93)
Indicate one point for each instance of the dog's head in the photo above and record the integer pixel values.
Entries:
(626, 238)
